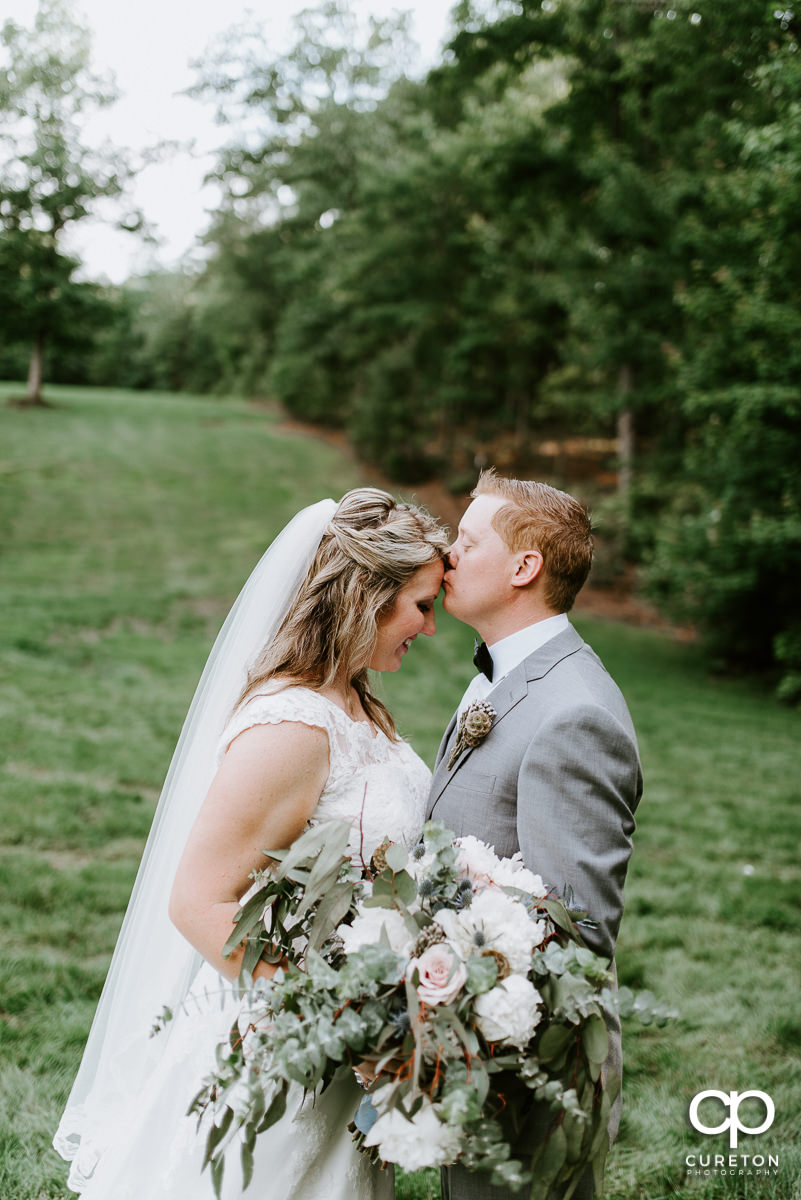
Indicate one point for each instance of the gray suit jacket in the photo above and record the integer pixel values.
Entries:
(558, 777)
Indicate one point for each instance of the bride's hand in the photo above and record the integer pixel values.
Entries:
(367, 1070)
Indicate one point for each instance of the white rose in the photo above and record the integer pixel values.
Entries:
(476, 860)
(423, 1141)
(510, 872)
(508, 1012)
(366, 931)
(442, 974)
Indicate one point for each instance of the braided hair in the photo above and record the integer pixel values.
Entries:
(370, 550)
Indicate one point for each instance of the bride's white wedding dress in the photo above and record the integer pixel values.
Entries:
(154, 1151)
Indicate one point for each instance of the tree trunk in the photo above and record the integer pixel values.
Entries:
(33, 396)
(625, 432)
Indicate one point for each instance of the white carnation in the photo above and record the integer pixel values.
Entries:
(494, 921)
(508, 1012)
(476, 859)
(423, 1141)
(366, 931)
(510, 872)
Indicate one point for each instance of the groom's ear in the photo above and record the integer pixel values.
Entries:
(528, 565)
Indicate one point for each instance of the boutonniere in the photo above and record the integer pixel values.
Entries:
(474, 725)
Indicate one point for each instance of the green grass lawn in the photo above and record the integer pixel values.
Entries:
(127, 524)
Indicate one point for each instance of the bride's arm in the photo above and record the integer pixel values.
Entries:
(264, 792)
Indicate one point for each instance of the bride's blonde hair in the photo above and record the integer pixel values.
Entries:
(371, 548)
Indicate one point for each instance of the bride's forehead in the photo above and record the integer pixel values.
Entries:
(426, 580)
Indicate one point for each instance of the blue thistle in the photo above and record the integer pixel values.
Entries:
(400, 1021)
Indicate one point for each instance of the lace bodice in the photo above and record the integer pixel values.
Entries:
(380, 786)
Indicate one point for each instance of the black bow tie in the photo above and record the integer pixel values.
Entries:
(483, 659)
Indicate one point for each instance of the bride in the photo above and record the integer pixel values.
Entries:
(298, 737)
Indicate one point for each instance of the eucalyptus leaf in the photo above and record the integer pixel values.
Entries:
(600, 1131)
(480, 1080)
(460, 1104)
(382, 886)
(482, 973)
(554, 1042)
(275, 1111)
(595, 1040)
(379, 900)
(252, 956)
(413, 1006)
(246, 1157)
(446, 1016)
(436, 836)
(255, 1112)
(216, 1135)
(561, 917)
(405, 888)
(248, 917)
(574, 1136)
(327, 866)
(330, 912)
(217, 1170)
(295, 875)
(396, 857)
(311, 842)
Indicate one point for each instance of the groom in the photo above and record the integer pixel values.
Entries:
(558, 775)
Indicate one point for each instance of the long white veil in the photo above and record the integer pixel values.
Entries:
(153, 965)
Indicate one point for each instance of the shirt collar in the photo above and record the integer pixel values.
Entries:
(511, 650)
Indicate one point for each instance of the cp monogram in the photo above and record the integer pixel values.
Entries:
(732, 1101)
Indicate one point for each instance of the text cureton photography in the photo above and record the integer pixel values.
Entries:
(707, 1163)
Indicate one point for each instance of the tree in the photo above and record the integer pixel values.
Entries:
(49, 179)
(559, 222)
(612, 175)
(728, 550)
(293, 180)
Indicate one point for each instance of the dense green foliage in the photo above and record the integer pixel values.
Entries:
(128, 524)
(729, 548)
(557, 230)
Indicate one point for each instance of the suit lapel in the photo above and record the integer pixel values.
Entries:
(545, 659)
(503, 698)
(441, 773)
(446, 737)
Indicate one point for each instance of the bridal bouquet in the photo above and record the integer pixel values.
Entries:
(447, 977)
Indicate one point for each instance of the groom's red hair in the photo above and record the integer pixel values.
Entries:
(540, 517)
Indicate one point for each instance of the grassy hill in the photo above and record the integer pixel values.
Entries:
(128, 522)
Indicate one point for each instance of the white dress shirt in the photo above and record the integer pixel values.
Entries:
(509, 652)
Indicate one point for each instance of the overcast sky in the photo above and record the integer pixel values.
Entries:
(149, 44)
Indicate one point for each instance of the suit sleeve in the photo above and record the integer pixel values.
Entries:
(578, 786)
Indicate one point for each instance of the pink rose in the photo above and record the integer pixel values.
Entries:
(441, 973)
